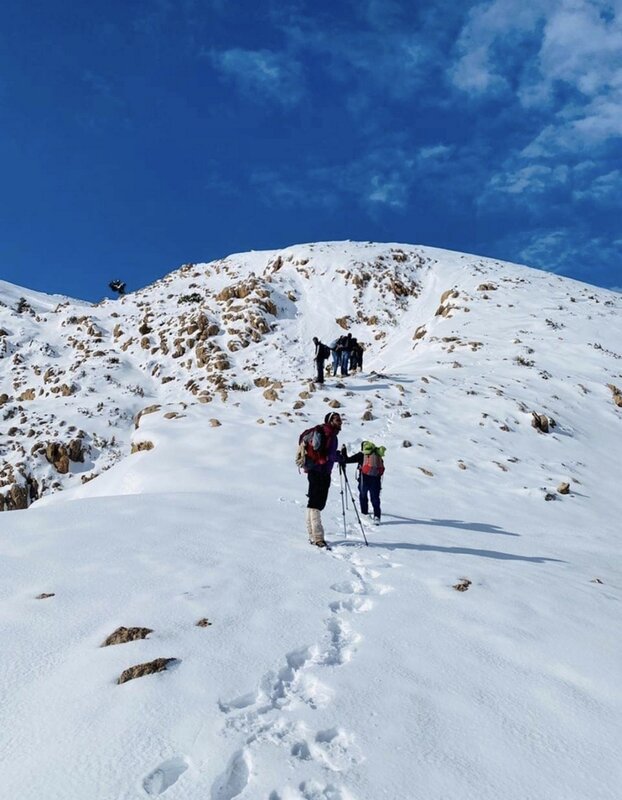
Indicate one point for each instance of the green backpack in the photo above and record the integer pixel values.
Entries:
(373, 463)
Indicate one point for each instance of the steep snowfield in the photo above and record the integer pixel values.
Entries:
(360, 673)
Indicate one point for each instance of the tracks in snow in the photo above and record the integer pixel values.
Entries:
(279, 712)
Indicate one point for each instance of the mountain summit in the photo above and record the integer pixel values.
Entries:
(76, 376)
(168, 630)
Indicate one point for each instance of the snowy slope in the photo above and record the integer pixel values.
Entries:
(360, 673)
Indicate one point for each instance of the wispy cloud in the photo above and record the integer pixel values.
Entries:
(384, 178)
(565, 250)
(570, 67)
(480, 61)
(374, 56)
(534, 184)
(380, 179)
(603, 189)
(523, 183)
(261, 74)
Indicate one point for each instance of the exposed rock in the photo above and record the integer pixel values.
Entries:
(75, 450)
(146, 410)
(148, 668)
(334, 404)
(137, 447)
(406, 443)
(617, 394)
(4, 398)
(122, 635)
(57, 455)
(367, 416)
(17, 498)
(563, 488)
(462, 585)
(447, 294)
(271, 394)
(540, 422)
(203, 623)
(45, 595)
(486, 287)
(215, 423)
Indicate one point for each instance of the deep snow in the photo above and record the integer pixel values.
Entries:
(355, 674)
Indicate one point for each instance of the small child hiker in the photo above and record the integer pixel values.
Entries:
(370, 460)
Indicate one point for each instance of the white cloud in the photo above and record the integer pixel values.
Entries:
(381, 178)
(533, 179)
(477, 69)
(602, 189)
(563, 57)
(474, 73)
(388, 190)
(567, 250)
(261, 74)
(530, 184)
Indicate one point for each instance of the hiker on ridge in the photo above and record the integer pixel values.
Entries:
(356, 355)
(321, 453)
(369, 475)
(336, 348)
(345, 355)
(322, 352)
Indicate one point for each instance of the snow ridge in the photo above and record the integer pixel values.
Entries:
(468, 650)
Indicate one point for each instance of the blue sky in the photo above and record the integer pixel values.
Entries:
(137, 136)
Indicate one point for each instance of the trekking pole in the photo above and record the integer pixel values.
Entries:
(343, 506)
(356, 511)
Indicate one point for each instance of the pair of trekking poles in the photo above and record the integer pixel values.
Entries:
(343, 477)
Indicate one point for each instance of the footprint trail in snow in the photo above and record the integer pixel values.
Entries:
(276, 713)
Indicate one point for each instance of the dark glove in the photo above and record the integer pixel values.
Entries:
(344, 451)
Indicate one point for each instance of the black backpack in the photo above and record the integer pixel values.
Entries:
(323, 351)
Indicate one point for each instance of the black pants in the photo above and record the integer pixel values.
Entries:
(319, 484)
(320, 369)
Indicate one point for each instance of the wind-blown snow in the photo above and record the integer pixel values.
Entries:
(357, 674)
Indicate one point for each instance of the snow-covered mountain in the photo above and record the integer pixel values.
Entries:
(169, 419)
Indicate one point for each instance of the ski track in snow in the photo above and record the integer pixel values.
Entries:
(267, 715)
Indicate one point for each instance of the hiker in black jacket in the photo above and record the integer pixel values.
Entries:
(345, 355)
(322, 352)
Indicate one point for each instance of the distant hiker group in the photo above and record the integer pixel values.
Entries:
(318, 452)
(346, 352)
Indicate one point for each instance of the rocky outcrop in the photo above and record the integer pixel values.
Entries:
(122, 635)
(138, 447)
(147, 668)
(616, 393)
